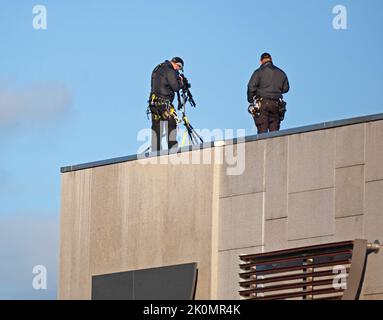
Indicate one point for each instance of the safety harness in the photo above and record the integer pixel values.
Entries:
(160, 108)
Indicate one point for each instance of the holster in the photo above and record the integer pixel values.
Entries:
(282, 109)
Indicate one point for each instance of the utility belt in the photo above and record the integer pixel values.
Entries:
(255, 108)
(161, 108)
(270, 99)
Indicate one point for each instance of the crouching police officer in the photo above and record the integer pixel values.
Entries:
(166, 81)
(264, 93)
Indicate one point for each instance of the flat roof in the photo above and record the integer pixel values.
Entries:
(281, 133)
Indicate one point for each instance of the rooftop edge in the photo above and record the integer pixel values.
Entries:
(281, 133)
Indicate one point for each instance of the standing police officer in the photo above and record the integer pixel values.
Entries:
(264, 93)
(166, 81)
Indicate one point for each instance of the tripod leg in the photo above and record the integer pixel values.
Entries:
(196, 134)
(190, 133)
(184, 138)
(191, 138)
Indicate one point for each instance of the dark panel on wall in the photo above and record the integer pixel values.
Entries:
(165, 283)
(115, 286)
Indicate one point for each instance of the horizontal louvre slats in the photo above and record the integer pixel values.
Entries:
(288, 277)
(295, 258)
(288, 286)
(295, 268)
(301, 273)
(302, 250)
(297, 294)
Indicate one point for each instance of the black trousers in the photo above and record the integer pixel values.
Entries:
(268, 120)
(158, 126)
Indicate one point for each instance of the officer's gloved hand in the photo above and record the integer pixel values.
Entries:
(251, 109)
(254, 109)
(184, 82)
(182, 79)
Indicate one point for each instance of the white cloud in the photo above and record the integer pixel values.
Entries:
(39, 102)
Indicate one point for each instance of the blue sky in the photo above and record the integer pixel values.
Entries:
(77, 91)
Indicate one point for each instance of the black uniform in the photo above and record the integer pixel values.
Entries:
(267, 84)
(165, 83)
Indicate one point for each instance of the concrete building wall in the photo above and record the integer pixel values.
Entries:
(133, 216)
(297, 189)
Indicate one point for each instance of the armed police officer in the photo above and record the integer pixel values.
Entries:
(264, 93)
(165, 82)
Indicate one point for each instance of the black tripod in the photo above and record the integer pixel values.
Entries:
(185, 97)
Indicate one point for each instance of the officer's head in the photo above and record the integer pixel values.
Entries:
(266, 57)
(177, 63)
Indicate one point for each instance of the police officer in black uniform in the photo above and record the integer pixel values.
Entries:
(166, 81)
(264, 93)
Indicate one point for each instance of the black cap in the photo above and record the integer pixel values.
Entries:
(178, 61)
(265, 56)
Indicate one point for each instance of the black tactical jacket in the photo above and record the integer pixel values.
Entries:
(165, 81)
(267, 82)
